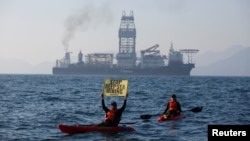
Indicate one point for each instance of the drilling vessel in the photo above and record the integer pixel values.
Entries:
(150, 62)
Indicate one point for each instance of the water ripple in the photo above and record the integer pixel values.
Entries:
(33, 105)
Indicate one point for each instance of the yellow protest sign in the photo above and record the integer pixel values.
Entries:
(112, 87)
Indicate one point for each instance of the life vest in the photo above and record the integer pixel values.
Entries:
(110, 115)
(172, 105)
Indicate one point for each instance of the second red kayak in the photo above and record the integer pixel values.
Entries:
(164, 118)
(73, 129)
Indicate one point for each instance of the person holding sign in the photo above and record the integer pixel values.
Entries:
(173, 107)
(113, 115)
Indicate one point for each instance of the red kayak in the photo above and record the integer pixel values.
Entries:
(73, 129)
(164, 118)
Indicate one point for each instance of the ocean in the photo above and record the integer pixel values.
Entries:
(33, 105)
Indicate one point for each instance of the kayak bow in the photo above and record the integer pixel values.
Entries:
(162, 118)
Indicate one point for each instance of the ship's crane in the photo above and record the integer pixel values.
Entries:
(151, 58)
(152, 50)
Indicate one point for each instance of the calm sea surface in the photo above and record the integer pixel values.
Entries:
(33, 105)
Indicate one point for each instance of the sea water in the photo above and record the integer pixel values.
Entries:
(33, 105)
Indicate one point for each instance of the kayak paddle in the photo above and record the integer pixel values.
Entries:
(195, 110)
(128, 123)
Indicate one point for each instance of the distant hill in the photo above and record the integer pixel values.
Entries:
(237, 64)
(210, 57)
(43, 68)
(16, 66)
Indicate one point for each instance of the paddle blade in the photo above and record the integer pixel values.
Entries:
(128, 123)
(147, 116)
(196, 109)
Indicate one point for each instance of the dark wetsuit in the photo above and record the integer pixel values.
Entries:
(118, 115)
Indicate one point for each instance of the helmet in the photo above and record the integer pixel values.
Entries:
(113, 103)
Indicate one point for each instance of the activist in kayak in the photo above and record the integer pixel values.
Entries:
(173, 108)
(114, 114)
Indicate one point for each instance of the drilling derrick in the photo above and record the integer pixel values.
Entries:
(126, 57)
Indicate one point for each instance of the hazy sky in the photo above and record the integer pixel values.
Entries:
(39, 30)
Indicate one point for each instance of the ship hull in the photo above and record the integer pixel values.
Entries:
(178, 70)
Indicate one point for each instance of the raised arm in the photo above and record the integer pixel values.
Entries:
(103, 103)
(124, 103)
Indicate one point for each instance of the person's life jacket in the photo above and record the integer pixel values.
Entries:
(110, 115)
(173, 105)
